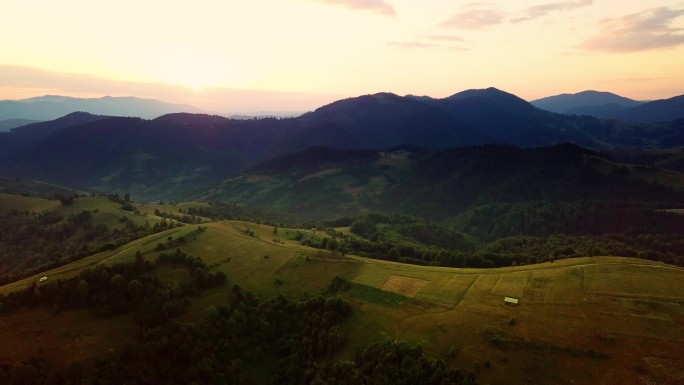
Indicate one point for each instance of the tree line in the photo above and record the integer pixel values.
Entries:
(513, 234)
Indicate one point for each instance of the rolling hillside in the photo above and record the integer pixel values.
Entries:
(324, 183)
(615, 318)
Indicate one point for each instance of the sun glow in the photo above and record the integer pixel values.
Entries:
(196, 84)
(346, 47)
(194, 76)
(191, 67)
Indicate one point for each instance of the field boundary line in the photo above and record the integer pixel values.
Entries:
(466, 291)
(527, 283)
(493, 291)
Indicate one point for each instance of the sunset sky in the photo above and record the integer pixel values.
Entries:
(289, 55)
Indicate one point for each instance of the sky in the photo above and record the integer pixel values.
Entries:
(233, 56)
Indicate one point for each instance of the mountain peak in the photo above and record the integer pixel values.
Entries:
(479, 92)
(364, 101)
(492, 97)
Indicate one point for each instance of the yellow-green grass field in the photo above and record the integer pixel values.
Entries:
(593, 320)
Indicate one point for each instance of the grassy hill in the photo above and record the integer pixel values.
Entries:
(582, 320)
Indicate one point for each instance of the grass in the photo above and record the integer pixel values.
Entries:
(405, 286)
(377, 296)
(634, 280)
(512, 284)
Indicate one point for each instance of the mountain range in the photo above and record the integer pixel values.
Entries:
(180, 155)
(52, 107)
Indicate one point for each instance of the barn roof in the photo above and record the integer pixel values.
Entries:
(511, 300)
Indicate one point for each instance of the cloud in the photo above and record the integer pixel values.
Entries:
(482, 15)
(643, 31)
(432, 41)
(545, 9)
(417, 44)
(379, 6)
(475, 19)
(444, 38)
(413, 44)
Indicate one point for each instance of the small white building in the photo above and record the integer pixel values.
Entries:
(510, 301)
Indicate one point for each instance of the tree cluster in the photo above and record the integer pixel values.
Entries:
(185, 218)
(390, 363)
(32, 243)
(512, 234)
(120, 288)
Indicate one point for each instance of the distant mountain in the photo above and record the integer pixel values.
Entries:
(177, 155)
(24, 135)
(656, 111)
(8, 124)
(606, 105)
(52, 107)
(568, 103)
